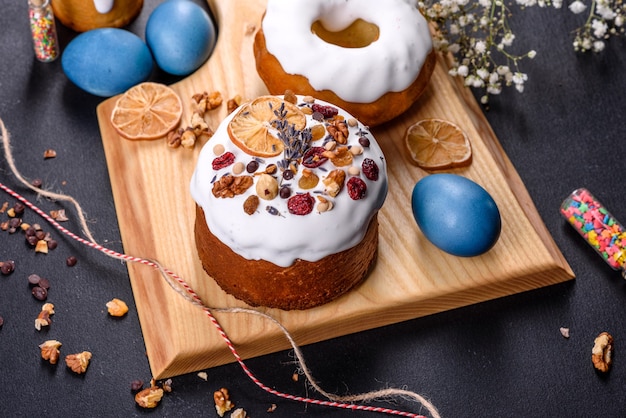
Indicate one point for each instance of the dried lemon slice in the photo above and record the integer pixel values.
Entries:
(147, 111)
(251, 128)
(436, 144)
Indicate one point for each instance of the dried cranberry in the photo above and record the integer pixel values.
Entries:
(313, 157)
(326, 111)
(301, 204)
(370, 169)
(356, 188)
(223, 160)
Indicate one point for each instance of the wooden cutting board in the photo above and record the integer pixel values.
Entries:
(411, 278)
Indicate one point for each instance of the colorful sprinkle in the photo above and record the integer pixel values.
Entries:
(44, 32)
(597, 226)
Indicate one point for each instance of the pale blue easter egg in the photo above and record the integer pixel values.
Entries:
(107, 61)
(181, 36)
(456, 214)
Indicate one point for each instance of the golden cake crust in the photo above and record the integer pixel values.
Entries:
(302, 285)
(387, 107)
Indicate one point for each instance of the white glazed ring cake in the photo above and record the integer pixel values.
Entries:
(375, 69)
(298, 228)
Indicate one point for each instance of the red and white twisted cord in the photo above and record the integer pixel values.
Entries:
(193, 296)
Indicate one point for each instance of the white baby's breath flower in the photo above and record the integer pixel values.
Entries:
(598, 46)
(599, 28)
(532, 54)
(508, 38)
(619, 21)
(463, 70)
(480, 47)
(605, 12)
(577, 7)
(494, 89)
(482, 73)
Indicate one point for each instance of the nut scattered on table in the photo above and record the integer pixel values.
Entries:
(78, 362)
(239, 413)
(222, 401)
(117, 307)
(602, 352)
(149, 397)
(50, 351)
(43, 319)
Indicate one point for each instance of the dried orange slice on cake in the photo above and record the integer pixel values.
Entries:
(147, 111)
(253, 127)
(436, 144)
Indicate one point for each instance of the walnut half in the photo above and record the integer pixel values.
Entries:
(50, 351)
(78, 362)
(222, 401)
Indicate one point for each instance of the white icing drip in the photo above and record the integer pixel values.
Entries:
(284, 239)
(361, 75)
(103, 6)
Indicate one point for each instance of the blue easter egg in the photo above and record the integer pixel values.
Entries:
(181, 36)
(107, 61)
(456, 214)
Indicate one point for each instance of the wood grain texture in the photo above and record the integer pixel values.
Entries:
(411, 278)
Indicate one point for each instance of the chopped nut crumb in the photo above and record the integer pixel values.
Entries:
(203, 375)
(149, 397)
(43, 319)
(602, 352)
(272, 408)
(49, 153)
(167, 386)
(239, 413)
(117, 307)
(222, 401)
(295, 377)
(234, 103)
(59, 215)
(50, 351)
(78, 362)
(41, 246)
(4, 207)
(564, 332)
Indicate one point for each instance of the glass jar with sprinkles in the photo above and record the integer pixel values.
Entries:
(43, 29)
(597, 226)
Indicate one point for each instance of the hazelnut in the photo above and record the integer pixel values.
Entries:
(267, 187)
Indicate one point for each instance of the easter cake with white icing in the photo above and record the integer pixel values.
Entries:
(373, 59)
(287, 194)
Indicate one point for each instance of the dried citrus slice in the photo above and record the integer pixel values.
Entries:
(436, 144)
(147, 111)
(253, 127)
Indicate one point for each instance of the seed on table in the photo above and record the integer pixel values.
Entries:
(1, 321)
(32, 240)
(34, 279)
(7, 267)
(45, 283)
(19, 208)
(71, 261)
(37, 183)
(40, 293)
(136, 385)
(52, 244)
